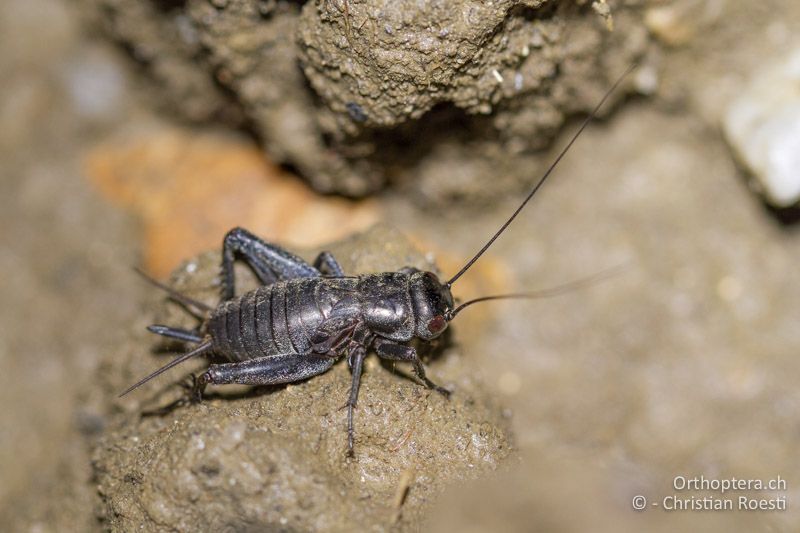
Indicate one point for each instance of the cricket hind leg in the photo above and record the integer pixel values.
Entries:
(270, 263)
(270, 370)
(400, 352)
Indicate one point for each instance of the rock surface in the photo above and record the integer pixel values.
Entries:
(353, 94)
(275, 457)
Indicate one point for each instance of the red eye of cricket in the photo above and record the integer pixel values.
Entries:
(436, 324)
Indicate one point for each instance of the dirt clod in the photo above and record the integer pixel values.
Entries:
(276, 457)
(356, 94)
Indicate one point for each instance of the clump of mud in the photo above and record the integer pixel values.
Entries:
(275, 457)
(353, 94)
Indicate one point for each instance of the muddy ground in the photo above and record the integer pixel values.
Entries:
(684, 364)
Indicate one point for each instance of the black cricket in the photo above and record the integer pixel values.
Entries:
(305, 317)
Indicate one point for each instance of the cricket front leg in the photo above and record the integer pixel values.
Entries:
(400, 352)
(356, 359)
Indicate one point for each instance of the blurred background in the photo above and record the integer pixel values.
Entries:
(138, 133)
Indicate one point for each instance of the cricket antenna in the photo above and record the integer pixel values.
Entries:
(543, 178)
(206, 346)
(543, 293)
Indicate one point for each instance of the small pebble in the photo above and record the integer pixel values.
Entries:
(95, 83)
(645, 80)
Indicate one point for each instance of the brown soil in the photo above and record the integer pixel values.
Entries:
(684, 364)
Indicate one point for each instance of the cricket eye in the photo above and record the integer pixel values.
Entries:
(437, 324)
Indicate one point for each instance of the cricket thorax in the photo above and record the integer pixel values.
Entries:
(387, 308)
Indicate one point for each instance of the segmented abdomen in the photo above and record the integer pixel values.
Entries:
(274, 319)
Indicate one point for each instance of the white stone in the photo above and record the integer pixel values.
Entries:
(762, 125)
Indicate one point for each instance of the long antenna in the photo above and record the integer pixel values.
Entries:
(544, 293)
(542, 179)
(178, 360)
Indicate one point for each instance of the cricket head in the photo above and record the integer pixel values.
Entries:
(433, 303)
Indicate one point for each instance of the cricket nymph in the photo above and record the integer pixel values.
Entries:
(322, 315)
(305, 316)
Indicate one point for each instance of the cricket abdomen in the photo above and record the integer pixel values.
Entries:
(274, 319)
